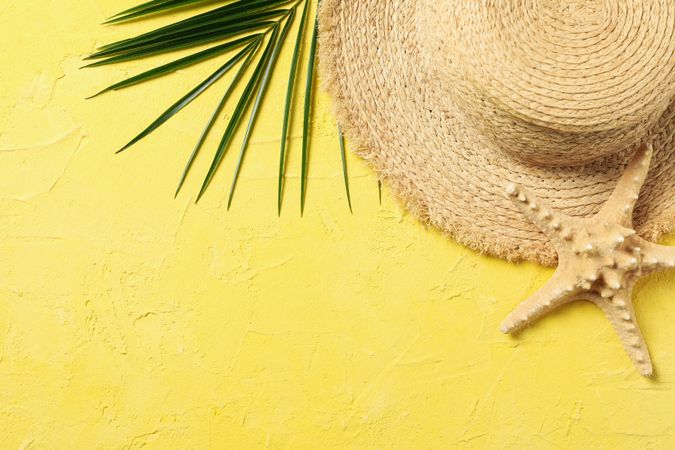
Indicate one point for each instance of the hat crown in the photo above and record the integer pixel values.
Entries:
(554, 82)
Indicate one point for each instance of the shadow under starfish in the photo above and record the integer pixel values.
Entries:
(600, 259)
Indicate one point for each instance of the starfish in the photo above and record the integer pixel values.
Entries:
(599, 259)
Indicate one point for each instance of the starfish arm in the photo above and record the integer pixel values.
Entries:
(554, 224)
(619, 207)
(656, 257)
(619, 311)
(557, 291)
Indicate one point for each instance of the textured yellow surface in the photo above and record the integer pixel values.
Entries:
(130, 319)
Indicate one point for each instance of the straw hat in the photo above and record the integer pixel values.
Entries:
(453, 100)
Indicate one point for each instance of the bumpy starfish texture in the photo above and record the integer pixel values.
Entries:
(600, 259)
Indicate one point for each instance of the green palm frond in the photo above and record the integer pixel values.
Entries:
(246, 33)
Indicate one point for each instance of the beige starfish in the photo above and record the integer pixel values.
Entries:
(600, 259)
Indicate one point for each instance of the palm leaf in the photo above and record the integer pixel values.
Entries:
(343, 154)
(172, 44)
(239, 112)
(190, 96)
(211, 29)
(289, 100)
(179, 64)
(153, 7)
(214, 116)
(220, 19)
(309, 90)
(224, 28)
(264, 82)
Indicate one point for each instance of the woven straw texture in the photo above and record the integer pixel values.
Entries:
(450, 101)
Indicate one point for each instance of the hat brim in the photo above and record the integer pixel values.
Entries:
(389, 106)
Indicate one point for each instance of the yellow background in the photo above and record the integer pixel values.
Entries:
(129, 319)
